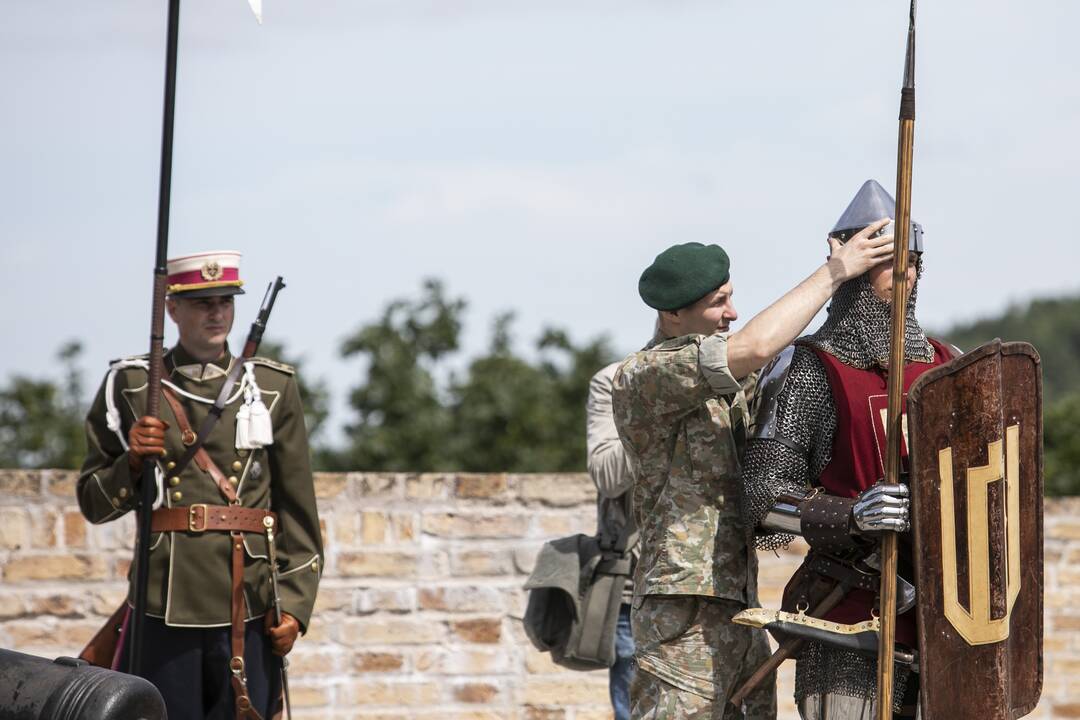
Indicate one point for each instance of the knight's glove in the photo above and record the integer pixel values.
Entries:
(882, 507)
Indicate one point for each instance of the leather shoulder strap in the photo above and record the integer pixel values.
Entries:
(201, 458)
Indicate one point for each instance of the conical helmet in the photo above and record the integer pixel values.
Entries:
(872, 203)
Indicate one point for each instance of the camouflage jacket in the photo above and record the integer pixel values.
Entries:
(682, 417)
(190, 571)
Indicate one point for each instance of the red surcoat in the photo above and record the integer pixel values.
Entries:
(858, 452)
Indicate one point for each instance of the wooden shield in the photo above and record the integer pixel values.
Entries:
(975, 437)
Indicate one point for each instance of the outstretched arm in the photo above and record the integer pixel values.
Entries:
(773, 329)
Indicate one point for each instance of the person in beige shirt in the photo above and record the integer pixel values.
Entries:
(610, 471)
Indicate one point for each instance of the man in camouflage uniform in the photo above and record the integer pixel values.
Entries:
(681, 415)
(186, 647)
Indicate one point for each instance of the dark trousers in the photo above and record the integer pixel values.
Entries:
(190, 668)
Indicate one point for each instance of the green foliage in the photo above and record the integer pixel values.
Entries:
(401, 423)
(1052, 325)
(506, 414)
(41, 421)
(1061, 438)
(511, 415)
(313, 393)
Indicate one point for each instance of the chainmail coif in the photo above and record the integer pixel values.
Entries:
(857, 329)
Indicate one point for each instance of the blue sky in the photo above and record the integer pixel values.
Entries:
(533, 155)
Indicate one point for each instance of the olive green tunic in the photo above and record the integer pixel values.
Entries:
(190, 572)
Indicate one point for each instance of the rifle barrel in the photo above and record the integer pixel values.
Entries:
(148, 491)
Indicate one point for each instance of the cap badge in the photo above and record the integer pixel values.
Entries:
(211, 270)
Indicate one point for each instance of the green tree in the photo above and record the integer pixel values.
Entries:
(41, 421)
(1061, 439)
(313, 393)
(506, 413)
(1052, 325)
(401, 423)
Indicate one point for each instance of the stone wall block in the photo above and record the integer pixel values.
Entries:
(557, 490)
(573, 689)
(14, 528)
(461, 599)
(405, 527)
(491, 488)
(428, 486)
(55, 567)
(398, 693)
(377, 563)
(16, 486)
(330, 486)
(60, 483)
(477, 630)
(44, 528)
(370, 486)
(396, 600)
(490, 563)
(478, 525)
(463, 660)
(480, 692)
(74, 529)
(378, 662)
(389, 630)
(373, 527)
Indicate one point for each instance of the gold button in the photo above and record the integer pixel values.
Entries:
(177, 495)
(174, 481)
(170, 465)
(315, 566)
(123, 492)
(116, 502)
(243, 453)
(233, 480)
(237, 466)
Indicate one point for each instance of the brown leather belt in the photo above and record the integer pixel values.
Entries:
(202, 517)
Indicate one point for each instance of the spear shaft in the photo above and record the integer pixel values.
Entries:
(894, 413)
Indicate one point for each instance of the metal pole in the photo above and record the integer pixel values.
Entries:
(157, 337)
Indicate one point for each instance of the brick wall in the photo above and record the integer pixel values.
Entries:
(419, 611)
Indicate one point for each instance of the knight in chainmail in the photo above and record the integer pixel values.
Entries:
(811, 469)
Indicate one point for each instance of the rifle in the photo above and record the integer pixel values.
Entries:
(894, 417)
(148, 488)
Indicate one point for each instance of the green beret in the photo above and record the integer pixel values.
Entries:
(682, 275)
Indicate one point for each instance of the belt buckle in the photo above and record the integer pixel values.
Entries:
(193, 518)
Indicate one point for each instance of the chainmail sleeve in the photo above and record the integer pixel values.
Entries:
(791, 443)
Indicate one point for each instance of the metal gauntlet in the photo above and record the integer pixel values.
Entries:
(882, 507)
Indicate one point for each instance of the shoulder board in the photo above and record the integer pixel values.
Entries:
(279, 366)
(130, 359)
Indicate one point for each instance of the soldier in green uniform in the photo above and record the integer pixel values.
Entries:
(256, 471)
(681, 415)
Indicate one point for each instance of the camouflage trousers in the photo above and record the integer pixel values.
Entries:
(691, 658)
